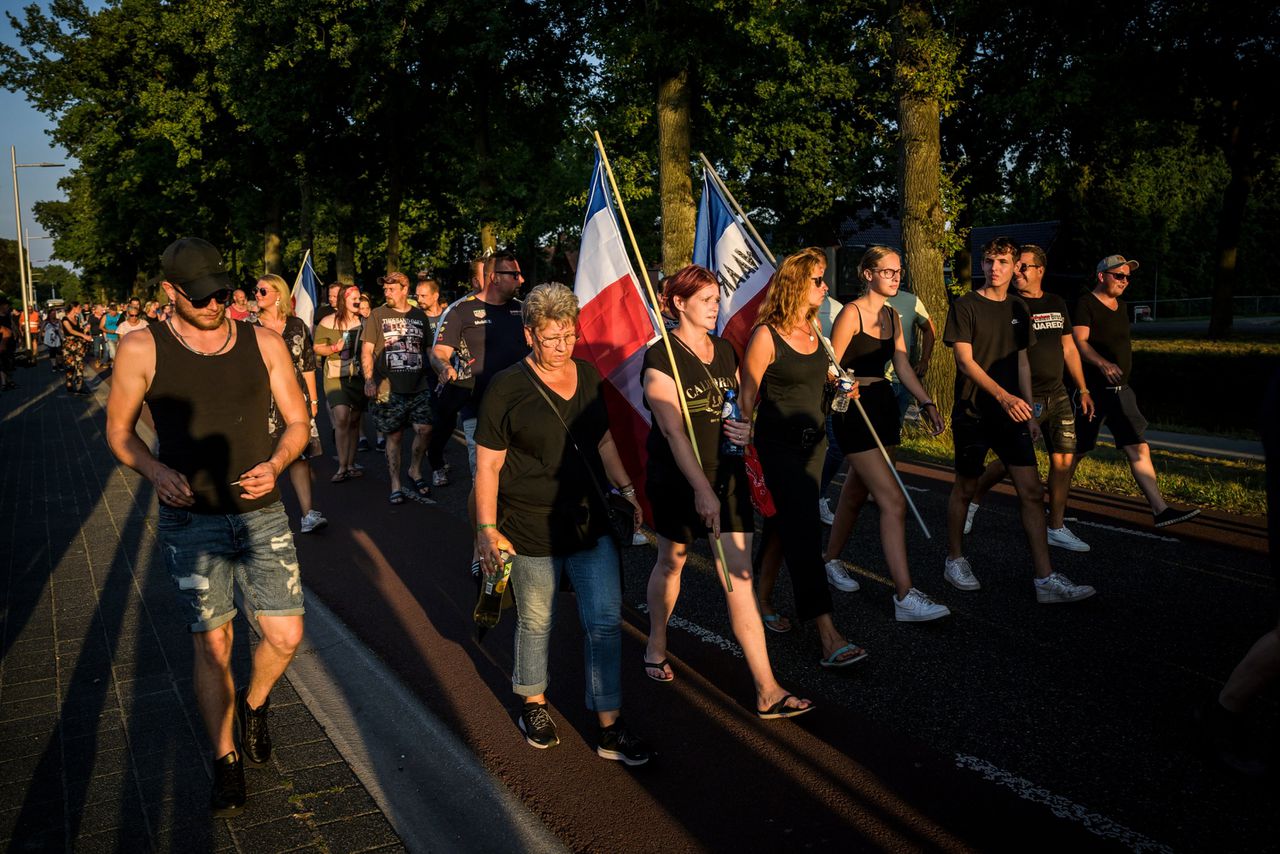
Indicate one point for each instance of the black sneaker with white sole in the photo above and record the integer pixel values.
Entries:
(1169, 516)
(617, 743)
(538, 728)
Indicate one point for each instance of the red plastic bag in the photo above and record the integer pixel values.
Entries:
(760, 497)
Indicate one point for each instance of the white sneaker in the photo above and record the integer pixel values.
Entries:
(1058, 588)
(824, 512)
(440, 477)
(1064, 539)
(968, 516)
(839, 577)
(960, 574)
(917, 607)
(313, 521)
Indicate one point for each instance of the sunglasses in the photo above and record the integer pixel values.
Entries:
(262, 292)
(220, 296)
(1123, 277)
(1022, 268)
(818, 281)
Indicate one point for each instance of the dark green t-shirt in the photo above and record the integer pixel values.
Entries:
(996, 330)
(1108, 335)
(547, 504)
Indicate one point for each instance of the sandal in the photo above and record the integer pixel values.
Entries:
(397, 497)
(421, 487)
(776, 623)
(780, 709)
(834, 659)
(342, 476)
(658, 665)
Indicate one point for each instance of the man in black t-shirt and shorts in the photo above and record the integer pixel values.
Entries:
(989, 331)
(398, 382)
(1101, 330)
(1054, 349)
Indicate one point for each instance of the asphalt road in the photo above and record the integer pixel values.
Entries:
(1009, 725)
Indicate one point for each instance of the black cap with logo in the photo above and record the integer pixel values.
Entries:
(194, 266)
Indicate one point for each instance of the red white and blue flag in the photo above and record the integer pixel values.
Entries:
(306, 292)
(724, 247)
(615, 324)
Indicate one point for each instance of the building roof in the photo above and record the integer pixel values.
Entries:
(1041, 234)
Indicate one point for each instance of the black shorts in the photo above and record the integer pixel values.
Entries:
(1057, 419)
(399, 411)
(671, 499)
(881, 406)
(1118, 407)
(975, 435)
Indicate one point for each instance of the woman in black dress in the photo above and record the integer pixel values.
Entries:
(868, 334)
(706, 494)
(784, 371)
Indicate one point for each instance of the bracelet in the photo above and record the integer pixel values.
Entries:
(484, 525)
(928, 403)
(1084, 391)
(629, 492)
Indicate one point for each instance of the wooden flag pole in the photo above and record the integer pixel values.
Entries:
(666, 340)
(831, 353)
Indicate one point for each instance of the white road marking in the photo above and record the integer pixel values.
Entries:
(1130, 531)
(705, 635)
(1096, 824)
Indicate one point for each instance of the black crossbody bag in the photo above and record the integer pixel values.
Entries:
(622, 518)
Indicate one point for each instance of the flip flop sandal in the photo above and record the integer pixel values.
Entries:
(780, 709)
(658, 665)
(772, 622)
(833, 660)
(397, 497)
(341, 477)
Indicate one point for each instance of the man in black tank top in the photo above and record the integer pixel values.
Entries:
(215, 474)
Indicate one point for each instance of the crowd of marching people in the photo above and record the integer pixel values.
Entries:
(733, 435)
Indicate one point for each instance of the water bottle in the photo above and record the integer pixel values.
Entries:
(844, 385)
(730, 412)
(489, 605)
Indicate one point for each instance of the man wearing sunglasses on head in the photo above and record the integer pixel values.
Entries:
(215, 477)
(1101, 330)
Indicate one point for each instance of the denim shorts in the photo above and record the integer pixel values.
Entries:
(206, 554)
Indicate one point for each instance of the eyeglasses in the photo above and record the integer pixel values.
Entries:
(567, 340)
(888, 272)
(220, 296)
(516, 273)
(818, 281)
(262, 292)
(1022, 268)
(1123, 277)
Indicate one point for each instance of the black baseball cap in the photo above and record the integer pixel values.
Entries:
(195, 266)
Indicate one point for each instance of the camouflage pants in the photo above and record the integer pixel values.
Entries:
(73, 363)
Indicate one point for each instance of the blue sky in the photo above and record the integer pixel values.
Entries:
(24, 128)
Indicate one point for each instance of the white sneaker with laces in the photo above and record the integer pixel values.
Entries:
(313, 521)
(917, 607)
(960, 574)
(968, 516)
(1057, 588)
(824, 512)
(1063, 538)
(839, 577)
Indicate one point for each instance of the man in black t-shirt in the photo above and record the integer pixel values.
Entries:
(1101, 331)
(1054, 349)
(989, 331)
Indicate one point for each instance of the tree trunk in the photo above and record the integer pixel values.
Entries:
(272, 242)
(346, 261)
(675, 181)
(306, 226)
(394, 194)
(1230, 222)
(919, 168)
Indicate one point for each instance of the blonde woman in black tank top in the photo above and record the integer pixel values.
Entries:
(866, 334)
(783, 372)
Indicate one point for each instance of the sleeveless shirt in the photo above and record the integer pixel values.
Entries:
(866, 354)
(790, 407)
(210, 414)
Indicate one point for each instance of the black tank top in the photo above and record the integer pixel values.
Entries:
(866, 354)
(210, 414)
(790, 408)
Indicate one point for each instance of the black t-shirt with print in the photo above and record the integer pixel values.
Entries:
(704, 388)
(1050, 320)
(547, 504)
(996, 330)
(400, 343)
(1108, 334)
(485, 338)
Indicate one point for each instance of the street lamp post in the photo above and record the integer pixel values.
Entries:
(31, 281)
(23, 263)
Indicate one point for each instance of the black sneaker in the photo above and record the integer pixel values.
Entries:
(228, 786)
(537, 726)
(255, 737)
(1169, 516)
(363, 444)
(382, 444)
(615, 742)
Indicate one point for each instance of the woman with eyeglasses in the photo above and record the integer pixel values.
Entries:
(868, 335)
(783, 379)
(338, 342)
(544, 455)
(275, 312)
(702, 495)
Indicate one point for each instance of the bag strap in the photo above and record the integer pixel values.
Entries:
(533, 380)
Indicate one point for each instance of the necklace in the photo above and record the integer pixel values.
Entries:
(178, 335)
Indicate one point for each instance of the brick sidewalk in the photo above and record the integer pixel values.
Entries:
(101, 744)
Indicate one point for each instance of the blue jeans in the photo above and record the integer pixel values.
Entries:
(469, 431)
(594, 573)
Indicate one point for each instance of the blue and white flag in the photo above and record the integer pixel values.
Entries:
(306, 292)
